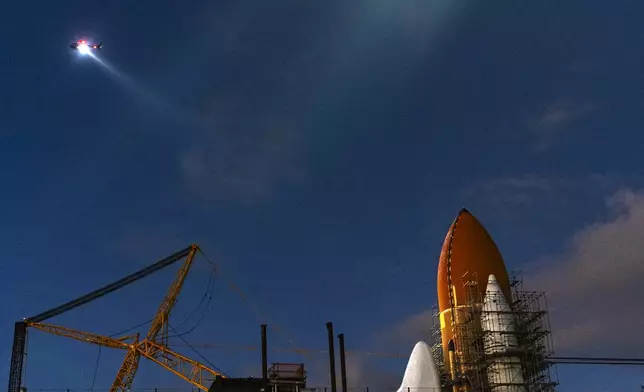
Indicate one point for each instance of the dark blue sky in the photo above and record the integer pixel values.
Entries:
(318, 151)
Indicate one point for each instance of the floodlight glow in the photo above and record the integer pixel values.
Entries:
(84, 49)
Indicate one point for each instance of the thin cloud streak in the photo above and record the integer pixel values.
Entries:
(556, 118)
(593, 287)
(512, 193)
(250, 168)
(524, 191)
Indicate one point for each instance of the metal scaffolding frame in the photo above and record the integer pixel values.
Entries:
(474, 370)
(436, 345)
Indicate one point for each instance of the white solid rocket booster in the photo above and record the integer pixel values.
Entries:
(421, 374)
(500, 341)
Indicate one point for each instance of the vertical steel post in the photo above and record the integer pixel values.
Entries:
(329, 328)
(17, 356)
(264, 357)
(343, 365)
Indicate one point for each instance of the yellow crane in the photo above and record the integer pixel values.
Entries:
(153, 346)
(188, 369)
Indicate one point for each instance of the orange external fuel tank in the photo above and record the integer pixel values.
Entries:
(468, 257)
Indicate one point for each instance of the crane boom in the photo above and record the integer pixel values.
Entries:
(20, 330)
(113, 286)
(86, 337)
(127, 371)
(163, 313)
(157, 351)
(125, 376)
(188, 369)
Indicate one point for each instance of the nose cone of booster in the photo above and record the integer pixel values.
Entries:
(497, 319)
(421, 374)
(493, 287)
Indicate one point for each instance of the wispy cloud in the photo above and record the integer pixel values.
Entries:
(361, 373)
(409, 331)
(512, 194)
(556, 117)
(594, 286)
(524, 190)
(247, 166)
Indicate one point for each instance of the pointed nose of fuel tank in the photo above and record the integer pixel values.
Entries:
(468, 253)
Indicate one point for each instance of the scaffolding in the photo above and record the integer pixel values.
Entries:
(511, 356)
(287, 377)
(436, 345)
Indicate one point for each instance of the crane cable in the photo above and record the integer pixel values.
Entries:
(98, 357)
(131, 328)
(207, 294)
(261, 315)
(197, 352)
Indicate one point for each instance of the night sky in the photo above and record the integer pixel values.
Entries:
(318, 151)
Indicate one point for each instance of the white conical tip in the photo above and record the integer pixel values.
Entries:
(492, 284)
(421, 372)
